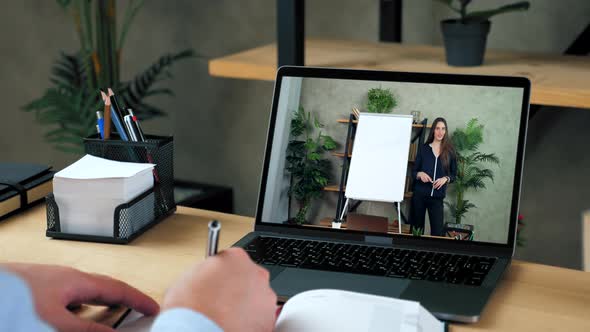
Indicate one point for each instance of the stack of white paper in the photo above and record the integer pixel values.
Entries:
(88, 191)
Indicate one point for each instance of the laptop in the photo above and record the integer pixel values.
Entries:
(294, 237)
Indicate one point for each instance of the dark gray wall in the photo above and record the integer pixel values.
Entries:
(220, 124)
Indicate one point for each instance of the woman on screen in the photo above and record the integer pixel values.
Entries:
(435, 167)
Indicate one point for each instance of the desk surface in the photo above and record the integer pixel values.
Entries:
(532, 297)
(556, 80)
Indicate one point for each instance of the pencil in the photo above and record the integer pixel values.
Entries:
(107, 115)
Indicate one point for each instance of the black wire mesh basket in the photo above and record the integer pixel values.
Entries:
(133, 218)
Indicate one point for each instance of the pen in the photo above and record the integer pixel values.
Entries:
(137, 126)
(213, 238)
(141, 138)
(100, 124)
(130, 128)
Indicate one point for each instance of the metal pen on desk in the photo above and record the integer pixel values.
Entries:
(213, 238)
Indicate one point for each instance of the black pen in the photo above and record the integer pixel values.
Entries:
(213, 238)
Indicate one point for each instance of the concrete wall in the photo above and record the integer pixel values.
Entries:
(276, 194)
(220, 124)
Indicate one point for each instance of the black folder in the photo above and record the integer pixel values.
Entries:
(22, 185)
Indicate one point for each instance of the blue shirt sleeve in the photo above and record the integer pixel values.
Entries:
(17, 313)
(184, 320)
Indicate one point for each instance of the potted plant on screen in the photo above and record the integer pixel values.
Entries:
(465, 37)
(380, 101)
(471, 174)
(310, 172)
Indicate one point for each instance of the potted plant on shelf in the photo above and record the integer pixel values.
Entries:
(380, 101)
(470, 172)
(465, 37)
(310, 172)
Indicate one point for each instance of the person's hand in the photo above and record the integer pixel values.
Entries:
(230, 290)
(424, 177)
(440, 182)
(55, 288)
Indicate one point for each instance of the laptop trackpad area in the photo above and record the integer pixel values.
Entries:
(292, 281)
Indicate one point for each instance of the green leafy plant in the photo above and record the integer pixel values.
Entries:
(309, 171)
(69, 106)
(470, 172)
(416, 231)
(380, 101)
(482, 15)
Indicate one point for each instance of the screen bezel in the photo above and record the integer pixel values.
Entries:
(369, 75)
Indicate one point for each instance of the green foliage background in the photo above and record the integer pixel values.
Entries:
(380, 101)
(310, 172)
(471, 174)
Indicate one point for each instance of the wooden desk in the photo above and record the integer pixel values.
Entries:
(532, 297)
(556, 80)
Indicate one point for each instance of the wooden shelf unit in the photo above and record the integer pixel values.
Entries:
(558, 80)
(346, 159)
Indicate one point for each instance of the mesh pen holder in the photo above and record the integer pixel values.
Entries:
(135, 217)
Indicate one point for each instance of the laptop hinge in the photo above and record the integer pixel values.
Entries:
(378, 240)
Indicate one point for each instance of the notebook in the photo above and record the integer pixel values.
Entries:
(22, 185)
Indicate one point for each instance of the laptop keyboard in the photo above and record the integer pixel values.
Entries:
(378, 261)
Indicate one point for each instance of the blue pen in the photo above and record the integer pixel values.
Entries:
(100, 124)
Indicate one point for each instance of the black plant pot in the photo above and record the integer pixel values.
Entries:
(465, 43)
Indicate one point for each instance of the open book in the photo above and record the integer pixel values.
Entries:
(336, 310)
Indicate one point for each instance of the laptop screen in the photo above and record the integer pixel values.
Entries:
(457, 160)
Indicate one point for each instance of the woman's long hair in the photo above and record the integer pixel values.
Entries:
(447, 150)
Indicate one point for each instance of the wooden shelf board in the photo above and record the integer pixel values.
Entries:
(556, 79)
(340, 154)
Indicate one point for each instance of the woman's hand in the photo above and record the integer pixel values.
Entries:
(424, 177)
(440, 182)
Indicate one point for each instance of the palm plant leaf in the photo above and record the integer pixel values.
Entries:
(486, 14)
(70, 70)
(71, 111)
(64, 3)
(485, 158)
(134, 92)
(132, 9)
